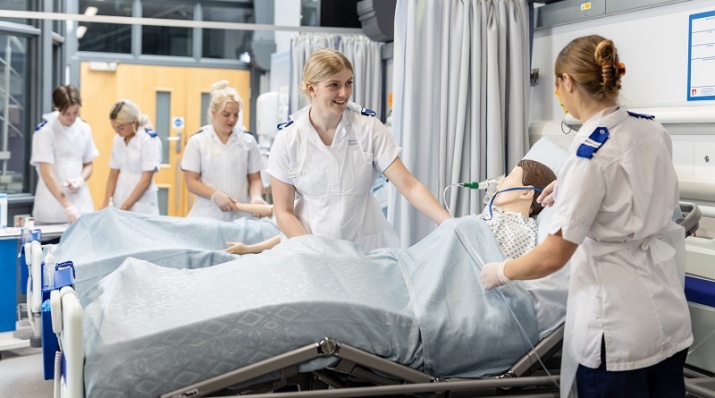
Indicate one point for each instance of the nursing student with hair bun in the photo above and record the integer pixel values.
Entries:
(136, 156)
(222, 162)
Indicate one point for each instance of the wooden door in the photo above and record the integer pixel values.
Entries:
(174, 98)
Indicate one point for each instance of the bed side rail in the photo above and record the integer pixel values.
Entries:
(691, 217)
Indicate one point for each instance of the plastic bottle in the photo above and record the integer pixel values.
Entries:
(49, 269)
(3, 211)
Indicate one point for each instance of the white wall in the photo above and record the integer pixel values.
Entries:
(652, 43)
(287, 13)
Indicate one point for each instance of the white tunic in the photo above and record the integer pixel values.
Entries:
(67, 149)
(142, 153)
(334, 183)
(627, 276)
(222, 166)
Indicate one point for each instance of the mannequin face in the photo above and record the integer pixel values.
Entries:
(330, 96)
(68, 117)
(514, 179)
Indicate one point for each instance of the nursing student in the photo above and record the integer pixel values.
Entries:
(222, 162)
(324, 163)
(627, 324)
(62, 152)
(136, 156)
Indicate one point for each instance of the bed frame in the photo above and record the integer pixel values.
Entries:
(357, 373)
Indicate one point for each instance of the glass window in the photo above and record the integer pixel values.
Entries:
(165, 40)
(227, 44)
(15, 5)
(58, 6)
(105, 37)
(14, 132)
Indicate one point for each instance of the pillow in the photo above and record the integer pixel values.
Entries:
(552, 155)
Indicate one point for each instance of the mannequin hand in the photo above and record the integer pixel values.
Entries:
(493, 275)
(223, 201)
(546, 198)
(72, 214)
(237, 248)
(74, 184)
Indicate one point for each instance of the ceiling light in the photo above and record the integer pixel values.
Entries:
(81, 30)
(91, 11)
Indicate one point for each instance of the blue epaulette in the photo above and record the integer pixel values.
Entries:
(368, 112)
(41, 124)
(285, 124)
(592, 143)
(151, 132)
(641, 115)
(201, 130)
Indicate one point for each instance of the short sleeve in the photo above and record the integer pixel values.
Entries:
(254, 156)
(113, 158)
(43, 147)
(278, 161)
(384, 147)
(192, 155)
(90, 151)
(151, 154)
(580, 193)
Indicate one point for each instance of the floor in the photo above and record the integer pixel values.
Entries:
(21, 371)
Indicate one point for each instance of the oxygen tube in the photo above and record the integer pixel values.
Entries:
(490, 188)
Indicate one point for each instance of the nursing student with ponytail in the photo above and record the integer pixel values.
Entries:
(136, 156)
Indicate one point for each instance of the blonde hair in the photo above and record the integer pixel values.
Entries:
(125, 111)
(221, 95)
(592, 62)
(321, 65)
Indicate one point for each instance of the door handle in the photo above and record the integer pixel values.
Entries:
(176, 138)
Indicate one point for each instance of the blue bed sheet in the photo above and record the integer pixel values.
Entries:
(97, 243)
(150, 329)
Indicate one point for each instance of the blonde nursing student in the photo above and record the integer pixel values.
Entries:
(328, 158)
(221, 162)
(136, 156)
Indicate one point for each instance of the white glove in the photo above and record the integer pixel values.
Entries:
(72, 214)
(493, 275)
(74, 184)
(223, 201)
(546, 197)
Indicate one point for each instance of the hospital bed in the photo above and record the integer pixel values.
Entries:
(331, 361)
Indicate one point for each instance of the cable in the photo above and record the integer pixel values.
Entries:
(475, 185)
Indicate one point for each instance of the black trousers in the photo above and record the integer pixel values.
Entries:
(664, 379)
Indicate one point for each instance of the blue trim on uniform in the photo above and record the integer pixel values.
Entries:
(368, 112)
(285, 124)
(201, 130)
(592, 143)
(700, 291)
(641, 115)
(151, 132)
(41, 124)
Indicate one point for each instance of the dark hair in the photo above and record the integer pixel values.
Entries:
(537, 175)
(592, 62)
(65, 96)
